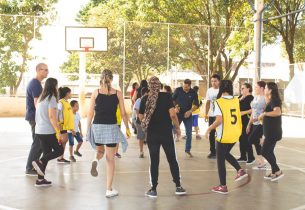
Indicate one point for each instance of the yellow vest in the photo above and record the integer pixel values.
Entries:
(68, 116)
(231, 120)
(118, 116)
(197, 111)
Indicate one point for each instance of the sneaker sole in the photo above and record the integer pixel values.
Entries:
(180, 193)
(43, 185)
(241, 178)
(37, 168)
(277, 178)
(249, 164)
(31, 174)
(223, 193)
(111, 196)
(151, 196)
(94, 171)
(242, 161)
(257, 168)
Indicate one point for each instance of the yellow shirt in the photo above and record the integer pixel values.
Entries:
(118, 116)
(231, 128)
(67, 122)
(197, 111)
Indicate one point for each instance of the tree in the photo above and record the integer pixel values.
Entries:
(217, 32)
(16, 33)
(145, 44)
(286, 26)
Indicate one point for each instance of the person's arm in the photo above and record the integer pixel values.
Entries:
(246, 112)
(207, 105)
(216, 123)
(36, 91)
(90, 112)
(142, 108)
(275, 113)
(123, 113)
(174, 118)
(53, 119)
(36, 101)
(134, 97)
(174, 96)
(80, 128)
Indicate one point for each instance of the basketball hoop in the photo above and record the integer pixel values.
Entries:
(86, 49)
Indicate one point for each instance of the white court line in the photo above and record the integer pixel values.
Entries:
(295, 150)
(15, 158)
(7, 208)
(299, 208)
(293, 167)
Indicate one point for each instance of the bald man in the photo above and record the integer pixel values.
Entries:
(33, 92)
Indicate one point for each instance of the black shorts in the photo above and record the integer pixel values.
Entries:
(63, 131)
(107, 145)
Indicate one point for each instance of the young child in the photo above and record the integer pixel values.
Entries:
(65, 117)
(76, 133)
(196, 114)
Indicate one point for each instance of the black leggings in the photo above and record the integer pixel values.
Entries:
(254, 138)
(243, 145)
(51, 149)
(154, 142)
(212, 136)
(223, 154)
(268, 154)
(107, 145)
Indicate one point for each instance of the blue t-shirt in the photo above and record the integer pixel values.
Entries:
(185, 100)
(33, 90)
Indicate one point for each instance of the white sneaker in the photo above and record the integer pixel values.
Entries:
(111, 193)
(94, 168)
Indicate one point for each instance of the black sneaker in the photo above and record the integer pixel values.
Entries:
(39, 167)
(151, 193)
(77, 154)
(212, 156)
(189, 154)
(242, 160)
(63, 160)
(31, 172)
(43, 183)
(72, 158)
(141, 155)
(180, 191)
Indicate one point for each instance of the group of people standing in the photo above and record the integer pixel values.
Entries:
(157, 115)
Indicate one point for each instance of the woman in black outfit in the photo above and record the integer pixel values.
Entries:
(157, 112)
(272, 127)
(245, 109)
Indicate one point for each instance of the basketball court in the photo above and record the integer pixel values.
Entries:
(74, 187)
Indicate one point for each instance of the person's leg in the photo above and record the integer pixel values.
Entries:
(221, 150)
(212, 137)
(230, 158)
(35, 151)
(188, 129)
(64, 142)
(141, 144)
(243, 140)
(169, 149)
(154, 153)
(110, 152)
(79, 140)
(268, 153)
(71, 143)
(100, 150)
(56, 149)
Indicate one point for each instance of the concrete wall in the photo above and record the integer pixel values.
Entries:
(15, 106)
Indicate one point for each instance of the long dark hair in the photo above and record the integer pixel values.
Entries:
(226, 86)
(168, 89)
(143, 84)
(248, 86)
(63, 91)
(49, 90)
(275, 95)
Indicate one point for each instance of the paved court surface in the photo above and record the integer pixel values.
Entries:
(74, 188)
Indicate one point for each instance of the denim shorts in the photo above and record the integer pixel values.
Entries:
(77, 136)
(195, 120)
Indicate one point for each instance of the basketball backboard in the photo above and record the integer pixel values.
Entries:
(86, 39)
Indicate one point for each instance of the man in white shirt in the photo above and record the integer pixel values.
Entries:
(211, 97)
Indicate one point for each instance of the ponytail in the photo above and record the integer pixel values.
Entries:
(106, 79)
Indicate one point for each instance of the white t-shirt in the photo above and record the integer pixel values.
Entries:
(212, 96)
(217, 112)
(77, 119)
(136, 106)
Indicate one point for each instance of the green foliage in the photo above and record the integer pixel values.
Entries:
(16, 33)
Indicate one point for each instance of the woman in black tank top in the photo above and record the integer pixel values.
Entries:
(104, 129)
